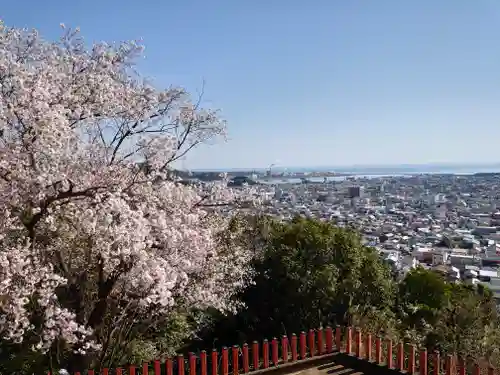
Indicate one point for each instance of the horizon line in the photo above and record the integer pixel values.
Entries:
(357, 166)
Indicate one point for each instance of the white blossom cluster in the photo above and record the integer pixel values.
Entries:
(86, 209)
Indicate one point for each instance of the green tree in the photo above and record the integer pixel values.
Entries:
(308, 274)
(467, 323)
(449, 317)
(421, 295)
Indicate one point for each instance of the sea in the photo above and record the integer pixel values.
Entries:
(371, 171)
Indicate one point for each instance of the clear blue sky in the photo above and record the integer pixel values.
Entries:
(319, 82)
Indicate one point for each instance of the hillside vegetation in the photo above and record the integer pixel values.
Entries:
(310, 273)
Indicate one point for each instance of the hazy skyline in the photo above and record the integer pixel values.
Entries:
(327, 83)
(454, 168)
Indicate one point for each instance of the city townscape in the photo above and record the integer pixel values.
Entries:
(445, 222)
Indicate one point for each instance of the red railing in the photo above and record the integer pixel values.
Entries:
(313, 344)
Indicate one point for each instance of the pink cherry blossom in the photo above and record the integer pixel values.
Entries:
(94, 234)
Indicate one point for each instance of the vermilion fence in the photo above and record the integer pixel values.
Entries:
(336, 343)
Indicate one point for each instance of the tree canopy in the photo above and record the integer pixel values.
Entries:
(451, 317)
(309, 273)
(95, 249)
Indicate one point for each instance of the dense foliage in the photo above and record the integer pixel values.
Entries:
(311, 273)
(453, 318)
(308, 274)
(98, 245)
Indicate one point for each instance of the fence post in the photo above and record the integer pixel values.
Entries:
(145, 368)
(423, 362)
(293, 347)
(368, 349)
(236, 360)
(214, 361)
(169, 364)
(203, 362)
(225, 361)
(284, 348)
(246, 367)
(348, 344)
(192, 364)
(302, 345)
(255, 355)
(401, 356)
(378, 350)
(358, 342)
(321, 348)
(329, 339)
(462, 366)
(180, 366)
(265, 353)
(411, 360)
(338, 338)
(449, 364)
(437, 363)
(311, 343)
(389, 354)
(274, 349)
(131, 370)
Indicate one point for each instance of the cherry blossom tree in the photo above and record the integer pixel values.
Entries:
(98, 243)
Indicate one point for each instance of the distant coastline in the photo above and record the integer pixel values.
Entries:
(375, 169)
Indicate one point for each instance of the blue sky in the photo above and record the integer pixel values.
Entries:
(320, 82)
